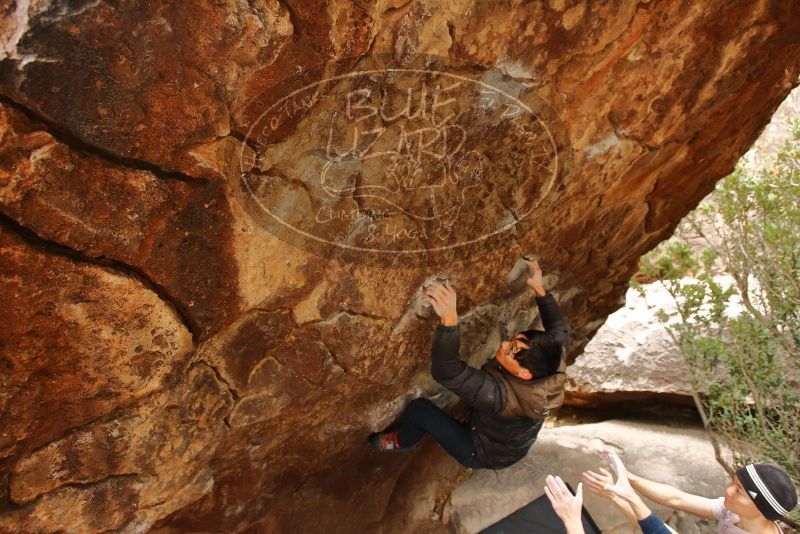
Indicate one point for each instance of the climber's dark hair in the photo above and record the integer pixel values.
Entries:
(543, 356)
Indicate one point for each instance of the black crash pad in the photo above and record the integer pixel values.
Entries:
(538, 517)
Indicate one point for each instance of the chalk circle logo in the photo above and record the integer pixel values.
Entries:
(412, 163)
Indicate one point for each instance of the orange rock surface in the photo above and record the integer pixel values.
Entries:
(209, 272)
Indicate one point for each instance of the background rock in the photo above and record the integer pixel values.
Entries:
(145, 289)
(632, 356)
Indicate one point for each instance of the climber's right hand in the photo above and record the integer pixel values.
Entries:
(535, 279)
(443, 299)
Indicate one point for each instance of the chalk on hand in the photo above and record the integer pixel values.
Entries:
(422, 308)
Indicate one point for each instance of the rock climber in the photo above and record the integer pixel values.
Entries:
(509, 396)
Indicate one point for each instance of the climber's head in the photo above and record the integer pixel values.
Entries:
(530, 354)
(760, 490)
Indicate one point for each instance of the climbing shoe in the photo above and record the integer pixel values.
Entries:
(387, 441)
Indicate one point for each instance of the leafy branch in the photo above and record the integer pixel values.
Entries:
(732, 270)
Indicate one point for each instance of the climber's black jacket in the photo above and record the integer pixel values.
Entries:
(506, 412)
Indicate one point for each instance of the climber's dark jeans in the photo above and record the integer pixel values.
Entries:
(421, 417)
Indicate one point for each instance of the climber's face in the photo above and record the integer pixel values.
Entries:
(739, 502)
(506, 353)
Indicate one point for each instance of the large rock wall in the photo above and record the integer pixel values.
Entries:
(171, 361)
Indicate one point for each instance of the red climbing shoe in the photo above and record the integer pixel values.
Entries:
(387, 441)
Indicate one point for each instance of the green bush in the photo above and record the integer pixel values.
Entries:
(745, 365)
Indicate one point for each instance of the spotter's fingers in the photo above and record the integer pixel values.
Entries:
(563, 487)
(552, 483)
